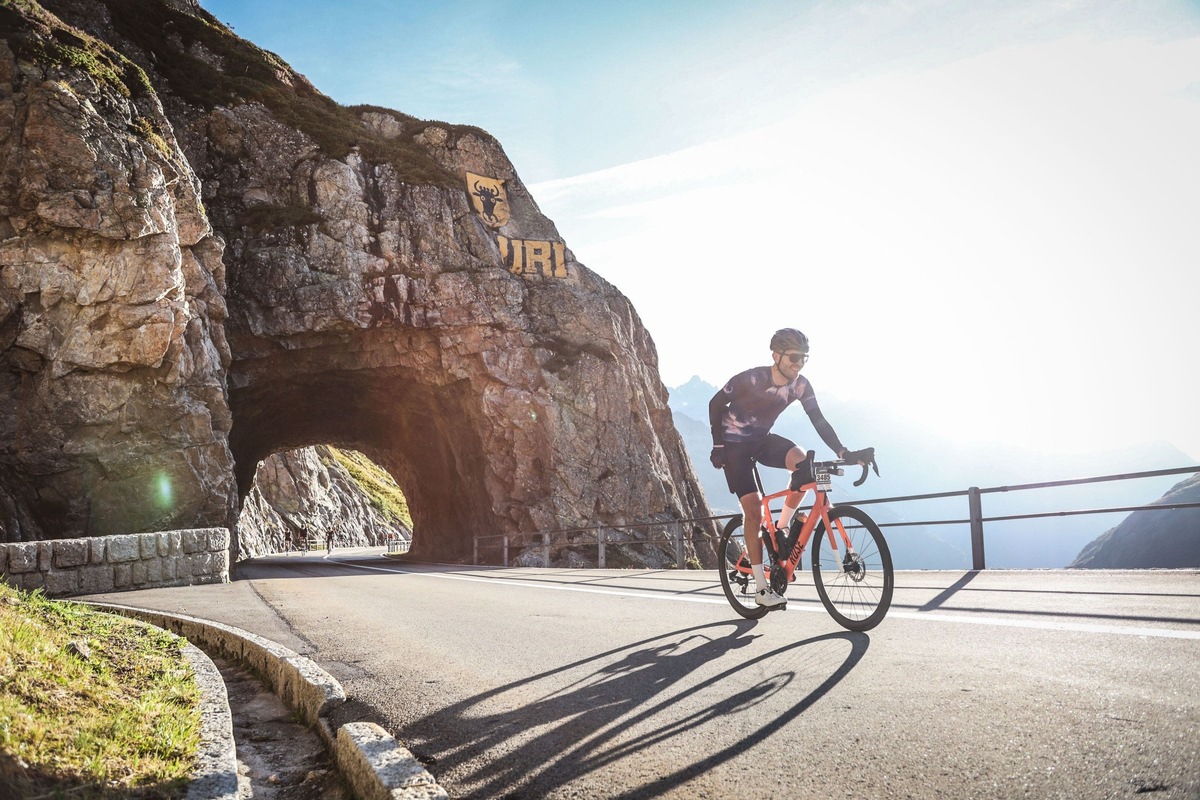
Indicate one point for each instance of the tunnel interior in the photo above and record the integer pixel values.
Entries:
(421, 435)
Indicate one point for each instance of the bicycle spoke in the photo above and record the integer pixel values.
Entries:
(855, 583)
(736, 581)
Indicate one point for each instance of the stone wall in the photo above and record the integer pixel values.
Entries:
(64, 567)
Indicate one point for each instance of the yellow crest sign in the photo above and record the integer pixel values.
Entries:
(522, 257)
(489, 199)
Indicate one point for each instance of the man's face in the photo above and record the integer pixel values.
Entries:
(791, 362)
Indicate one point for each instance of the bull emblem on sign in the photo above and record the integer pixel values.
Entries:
(489, 197)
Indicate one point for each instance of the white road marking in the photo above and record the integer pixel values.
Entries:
(922, 616)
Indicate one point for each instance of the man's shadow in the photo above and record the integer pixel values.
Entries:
(583, 727)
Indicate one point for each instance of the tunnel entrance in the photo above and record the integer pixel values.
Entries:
(319, 498)
(423, 436)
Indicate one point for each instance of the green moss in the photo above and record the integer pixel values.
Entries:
(38, 36)
(251, 74)
(150, 133)
(381, 489)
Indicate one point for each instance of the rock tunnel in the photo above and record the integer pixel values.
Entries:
(268, 271)
(421, 435)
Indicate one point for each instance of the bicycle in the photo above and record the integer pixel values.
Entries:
(854, 582)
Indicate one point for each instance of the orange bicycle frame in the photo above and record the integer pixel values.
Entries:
(818, 512)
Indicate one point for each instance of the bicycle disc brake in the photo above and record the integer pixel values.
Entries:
(853, 566)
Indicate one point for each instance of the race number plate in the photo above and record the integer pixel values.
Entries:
(824, 481)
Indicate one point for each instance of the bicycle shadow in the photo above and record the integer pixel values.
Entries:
(621, 707)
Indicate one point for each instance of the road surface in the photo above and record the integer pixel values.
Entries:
(621, 683)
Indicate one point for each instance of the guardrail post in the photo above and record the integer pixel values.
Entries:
(546, 546)
(600, 556)
(976, 504)
(679, 546)
(506, 549)
(475, 550)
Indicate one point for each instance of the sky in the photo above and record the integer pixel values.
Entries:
(985, 215)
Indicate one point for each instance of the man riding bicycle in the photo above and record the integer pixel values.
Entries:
(742, 414)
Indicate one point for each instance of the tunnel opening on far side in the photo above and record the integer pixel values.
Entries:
(322, 498)
(421, 435)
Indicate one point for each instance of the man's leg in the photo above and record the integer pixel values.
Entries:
(751, 522)
(791, 501)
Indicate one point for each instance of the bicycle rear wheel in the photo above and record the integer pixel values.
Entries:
(737, 581)
(855, 587)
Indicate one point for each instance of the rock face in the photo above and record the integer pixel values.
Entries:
(360, 300)
(113, 411)
(1168, 539)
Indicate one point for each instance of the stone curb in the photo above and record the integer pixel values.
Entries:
(375, 765)
(216, 775)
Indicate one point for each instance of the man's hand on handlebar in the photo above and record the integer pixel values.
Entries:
(866, 457)
(859, 456)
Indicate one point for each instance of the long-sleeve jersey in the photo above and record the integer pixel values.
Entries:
(746, 409)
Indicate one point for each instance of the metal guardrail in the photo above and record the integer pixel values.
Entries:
(672, 532)
(975, 519)
(397, 545)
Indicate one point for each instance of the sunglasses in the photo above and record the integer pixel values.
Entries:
(796, 358)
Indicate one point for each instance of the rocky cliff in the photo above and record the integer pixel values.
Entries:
(206, 261)
(1167, 539)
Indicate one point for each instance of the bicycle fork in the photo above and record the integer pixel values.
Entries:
(852, 564)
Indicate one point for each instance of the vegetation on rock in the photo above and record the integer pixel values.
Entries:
(376, 483)
(236, 71)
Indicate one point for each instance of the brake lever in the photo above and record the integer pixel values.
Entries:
(872, 464)
(863, 479)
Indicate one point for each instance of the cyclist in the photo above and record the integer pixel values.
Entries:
(741, 415)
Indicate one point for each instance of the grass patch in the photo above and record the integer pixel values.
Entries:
(250, 74)
(233, 72)
(92, 706)
(382, 491)
(36, 35)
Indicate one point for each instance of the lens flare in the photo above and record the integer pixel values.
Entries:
(165, 490)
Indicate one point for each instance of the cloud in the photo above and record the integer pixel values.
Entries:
(1027, 212)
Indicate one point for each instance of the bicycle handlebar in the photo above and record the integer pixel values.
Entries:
(868, 462)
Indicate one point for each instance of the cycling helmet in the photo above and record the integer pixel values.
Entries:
(789, 339)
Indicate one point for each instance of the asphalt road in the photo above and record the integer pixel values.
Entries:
(619, 683)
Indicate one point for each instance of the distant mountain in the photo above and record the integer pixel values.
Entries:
(1151, 539)
(914, 460)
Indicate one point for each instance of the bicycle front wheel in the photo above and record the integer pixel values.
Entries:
(855, 584)
(734, 566)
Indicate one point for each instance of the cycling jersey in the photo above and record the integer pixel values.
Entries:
(745, 410)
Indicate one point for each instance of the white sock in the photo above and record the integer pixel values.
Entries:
(760, 578)
(785, 517)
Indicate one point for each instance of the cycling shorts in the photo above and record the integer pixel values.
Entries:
(740, 458)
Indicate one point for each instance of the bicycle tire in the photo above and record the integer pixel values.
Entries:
(857, 594)
(739, 588)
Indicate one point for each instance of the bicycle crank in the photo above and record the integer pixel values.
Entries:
(779, 579)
